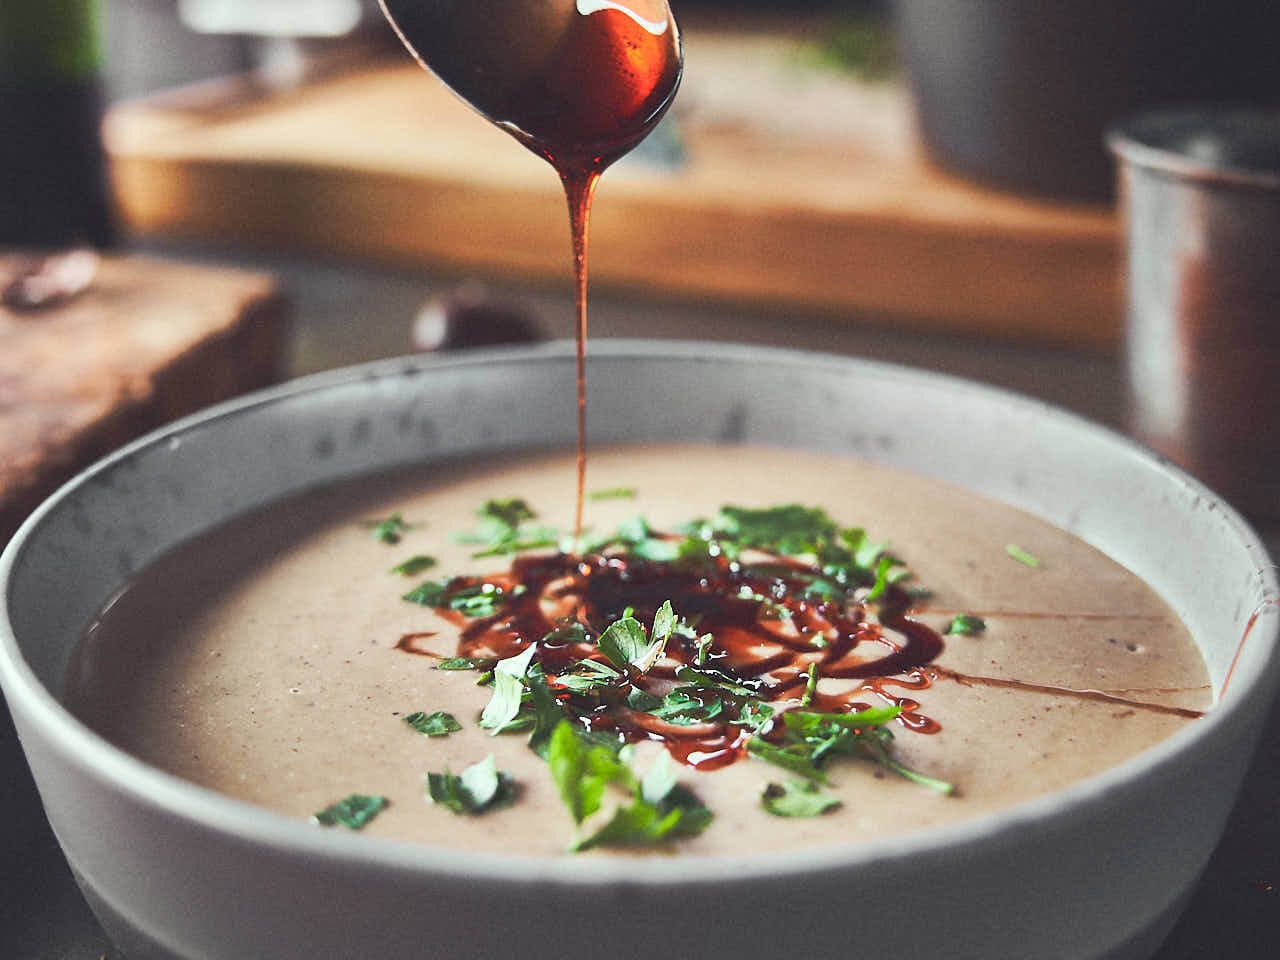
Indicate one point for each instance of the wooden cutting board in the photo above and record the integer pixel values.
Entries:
(800, 187)
(149, 341)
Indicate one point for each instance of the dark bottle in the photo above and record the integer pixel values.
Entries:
(53, 188)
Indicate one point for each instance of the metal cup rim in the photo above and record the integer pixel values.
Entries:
(1147, 141)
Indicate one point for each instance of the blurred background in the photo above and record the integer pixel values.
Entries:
(198, 197)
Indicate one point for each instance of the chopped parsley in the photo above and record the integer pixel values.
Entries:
(353, 812)
(428, 594)
(390, 530)
(613, 493)
(1015, 551)
(475, 600)
(625, 644)
(797, 798)
(508, 692)
(437, 724)
(790, 529)
(811, 739)
(965, 625)
(416, 564)
(810, 686)
(504, 527)
(659, 809)
(478, 788)
(581, 770)
(589, 691)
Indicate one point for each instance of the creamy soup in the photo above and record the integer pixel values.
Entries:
(276, 660)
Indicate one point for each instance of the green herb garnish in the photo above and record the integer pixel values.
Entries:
(475, 600)
(625, 644)
(790, 529)
(416, 564)
(811, 686)
(703, 649)
(797, 798)
(1015, 551)
(478, 788)
(795, 758)
(390, 530)
(811, 739)
(770, 557)
(354, 812)
(504, 528)
(437, 724)
(428, 594)
(613, 493)
(586, 675)
(581, 770)
(508, 692)
(659, 808)
(965, 625)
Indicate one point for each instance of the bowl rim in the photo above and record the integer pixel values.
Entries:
(243, 822)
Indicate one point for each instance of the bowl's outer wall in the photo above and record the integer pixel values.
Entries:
(1087, 880)
(1090, 873)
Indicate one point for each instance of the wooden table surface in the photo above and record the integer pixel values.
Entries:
(147, 342)
(799, 187)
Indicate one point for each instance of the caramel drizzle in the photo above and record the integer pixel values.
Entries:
(1099, 696)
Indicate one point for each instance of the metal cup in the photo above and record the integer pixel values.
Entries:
(1200, 196)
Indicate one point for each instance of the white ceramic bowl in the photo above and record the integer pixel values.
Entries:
(1098, 870)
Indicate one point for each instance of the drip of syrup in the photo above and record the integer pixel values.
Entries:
(578, 82)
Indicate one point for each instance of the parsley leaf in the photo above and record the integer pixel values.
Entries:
(625, 644)
(1015, 551)
(703, 649)
(660, 810)
(391, 529)
(416, 564)
(711, 679)
(508, 692)
(547, 712)
(633, 824)
(797, 798)
(353, 812)
(504, 528)
(814, 737)
(796, 759)
(613, 493)
(437, 724)
(475, 600)
(582, 770)
(755, 714)
(480, 787)
(659, 780)
(810, 686)
(965, 625)
(478, 600)
(788, 529)
(588, 675)
(428, 594)
(464, 663)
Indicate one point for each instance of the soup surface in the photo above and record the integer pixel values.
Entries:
(276, 660)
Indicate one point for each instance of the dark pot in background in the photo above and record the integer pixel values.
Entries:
(1018, 93)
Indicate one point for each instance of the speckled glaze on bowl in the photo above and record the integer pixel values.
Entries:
(1096, 871)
